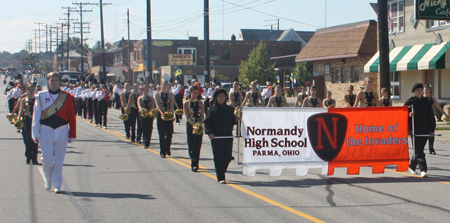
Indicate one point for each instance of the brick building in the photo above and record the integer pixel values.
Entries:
(339, 54)
(225, 56)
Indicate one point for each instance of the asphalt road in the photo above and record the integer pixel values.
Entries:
(109, 179)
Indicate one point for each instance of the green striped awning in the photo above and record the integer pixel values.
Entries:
(417, 57)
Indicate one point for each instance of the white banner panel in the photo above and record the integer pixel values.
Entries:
(277, 138)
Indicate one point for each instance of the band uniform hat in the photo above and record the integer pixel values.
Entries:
(416, 85)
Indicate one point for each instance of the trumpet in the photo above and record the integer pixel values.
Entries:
(331, 106)
(18, 123)
(179, 111)
(144, 113)
(446, 118)
(198, 128)
(167, 116)
(123, 117)
(153, 113)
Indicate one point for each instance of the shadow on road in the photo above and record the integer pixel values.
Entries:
(78, 165)
(110, 195)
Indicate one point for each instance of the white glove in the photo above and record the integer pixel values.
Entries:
(71, 140)
(37, 140)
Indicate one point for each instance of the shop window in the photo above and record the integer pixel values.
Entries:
(395, 85)
(355, 74)
(226, 55)
(396, 16)
(326, 69)
(346, 75)
(336, 76)
(315, 71)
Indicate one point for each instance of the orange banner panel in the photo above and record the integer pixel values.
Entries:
(375, 137)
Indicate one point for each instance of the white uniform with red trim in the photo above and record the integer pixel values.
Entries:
(54, 125)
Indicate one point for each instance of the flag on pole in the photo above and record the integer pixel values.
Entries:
(125, 68)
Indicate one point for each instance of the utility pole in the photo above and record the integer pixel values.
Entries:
(128, 46)
(35, 40)
(46, 38)
(149, 42)
(68, 20)
(383, 44)
(206, 70)
(103, 71)
(39, 32)
(81, 11)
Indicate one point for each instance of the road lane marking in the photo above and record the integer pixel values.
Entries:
(186, 163)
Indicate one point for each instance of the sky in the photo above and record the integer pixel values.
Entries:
(175, 19)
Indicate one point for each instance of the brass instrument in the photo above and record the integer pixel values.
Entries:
(144, 113)
(237, 111)
(123, 117)
(331, 106)
(179, 111)
(198, 128)
(446, 118)
(153, 113)
(167, 116)
(18, 123)
(11, 117)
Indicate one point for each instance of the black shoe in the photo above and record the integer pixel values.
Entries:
(139, 141)
(28, 161)
(34, 162)
(194, 168)
(146, 147)
(132, 140)
(162, 155)
(128, 137)
(432, 152)
(169, 153)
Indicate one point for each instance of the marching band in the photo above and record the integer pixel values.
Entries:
(44, 117)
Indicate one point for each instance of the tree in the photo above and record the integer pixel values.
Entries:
(302, 72)
(97, 48)
(257, 67)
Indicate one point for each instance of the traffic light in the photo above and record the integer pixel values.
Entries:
(25, 61)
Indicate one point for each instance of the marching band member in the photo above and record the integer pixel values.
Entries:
(424, 123)
(235, 95)
(54, 125)
(301, 97)
(329, 102)
(219, 121)
(89, 102)
(367, 97)
(95, 104)
(312, 100)
(193, 109)
(26, 111)
(385, 100)
(428, 95)
(278, 99)
(13, 95)
(79, 99)
(146, 104)
(116, 92)
(124, 97)
(267, 92)
(132, 111)
(253, 97)
(350, 97)
(164, 102)
(176, 91)
(103, 98)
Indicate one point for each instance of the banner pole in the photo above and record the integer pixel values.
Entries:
(413, 133)
(239, 135)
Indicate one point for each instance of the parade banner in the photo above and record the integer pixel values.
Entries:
(326, 138)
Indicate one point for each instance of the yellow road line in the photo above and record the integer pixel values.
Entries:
(425, 178)
(185, 163)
